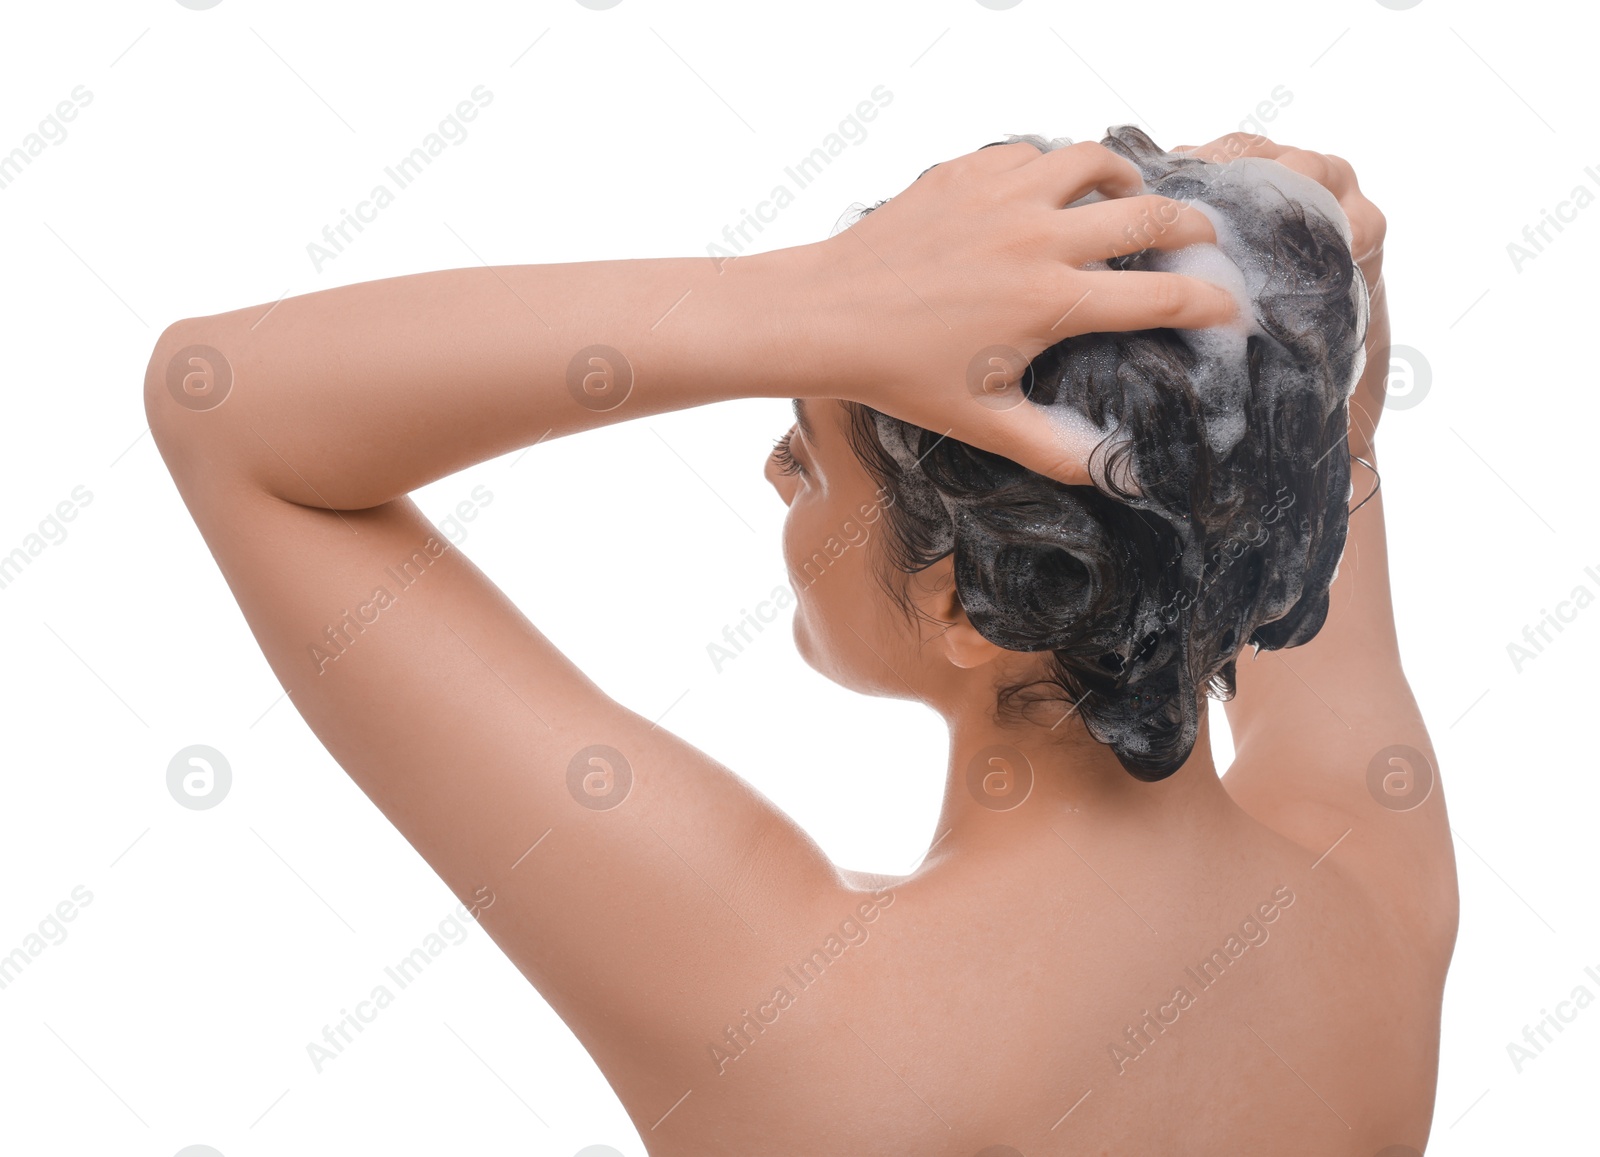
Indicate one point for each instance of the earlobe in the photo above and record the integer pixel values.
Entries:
(934, 591)
(964, 646)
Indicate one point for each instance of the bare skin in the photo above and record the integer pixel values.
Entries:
(1019, 987)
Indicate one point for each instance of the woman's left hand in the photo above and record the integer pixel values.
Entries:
(1368, 227)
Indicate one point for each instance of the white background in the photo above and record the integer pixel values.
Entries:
(217, 144)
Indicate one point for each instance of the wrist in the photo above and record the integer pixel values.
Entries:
(796, 323)
(829, 325)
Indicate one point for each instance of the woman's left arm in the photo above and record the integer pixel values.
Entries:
(347, 398)
(631, 877)
(638, 883)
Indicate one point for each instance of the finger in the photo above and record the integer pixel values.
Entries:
(1001, 156)
(1344, 169)
(1061, 442)
(1338, 176)
(1331, 172)
(1334, 173)
(1117, 301)
(1316, 166)
(1034, 437)
(1062, 176)
(1232, 146)
(1101, 230)
(995, 157)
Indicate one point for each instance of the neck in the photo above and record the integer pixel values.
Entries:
(1010, 786)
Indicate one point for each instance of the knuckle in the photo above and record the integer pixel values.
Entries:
(1096, 157)
(1026, 150)
(1374, 226)
(1166, 298)
(1342, 167)
(944, 174)
(1313, 165)
(1238, 144)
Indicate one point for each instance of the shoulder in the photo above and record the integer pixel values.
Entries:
(1372, 811)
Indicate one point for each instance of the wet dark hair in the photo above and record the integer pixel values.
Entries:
(1144, 594)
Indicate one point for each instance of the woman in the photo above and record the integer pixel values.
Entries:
(1057, 437)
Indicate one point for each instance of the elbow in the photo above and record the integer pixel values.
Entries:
(187, 379)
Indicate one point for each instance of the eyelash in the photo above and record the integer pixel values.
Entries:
(787, 462)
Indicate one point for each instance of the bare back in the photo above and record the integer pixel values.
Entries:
(1232, 1003)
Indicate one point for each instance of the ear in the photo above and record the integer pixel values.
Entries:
(933, 592)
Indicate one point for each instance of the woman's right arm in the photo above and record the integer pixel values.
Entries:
(1330, 747)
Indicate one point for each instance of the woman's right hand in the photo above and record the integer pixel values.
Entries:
(930, 307)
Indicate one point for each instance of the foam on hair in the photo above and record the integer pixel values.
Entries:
(1218, 513)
